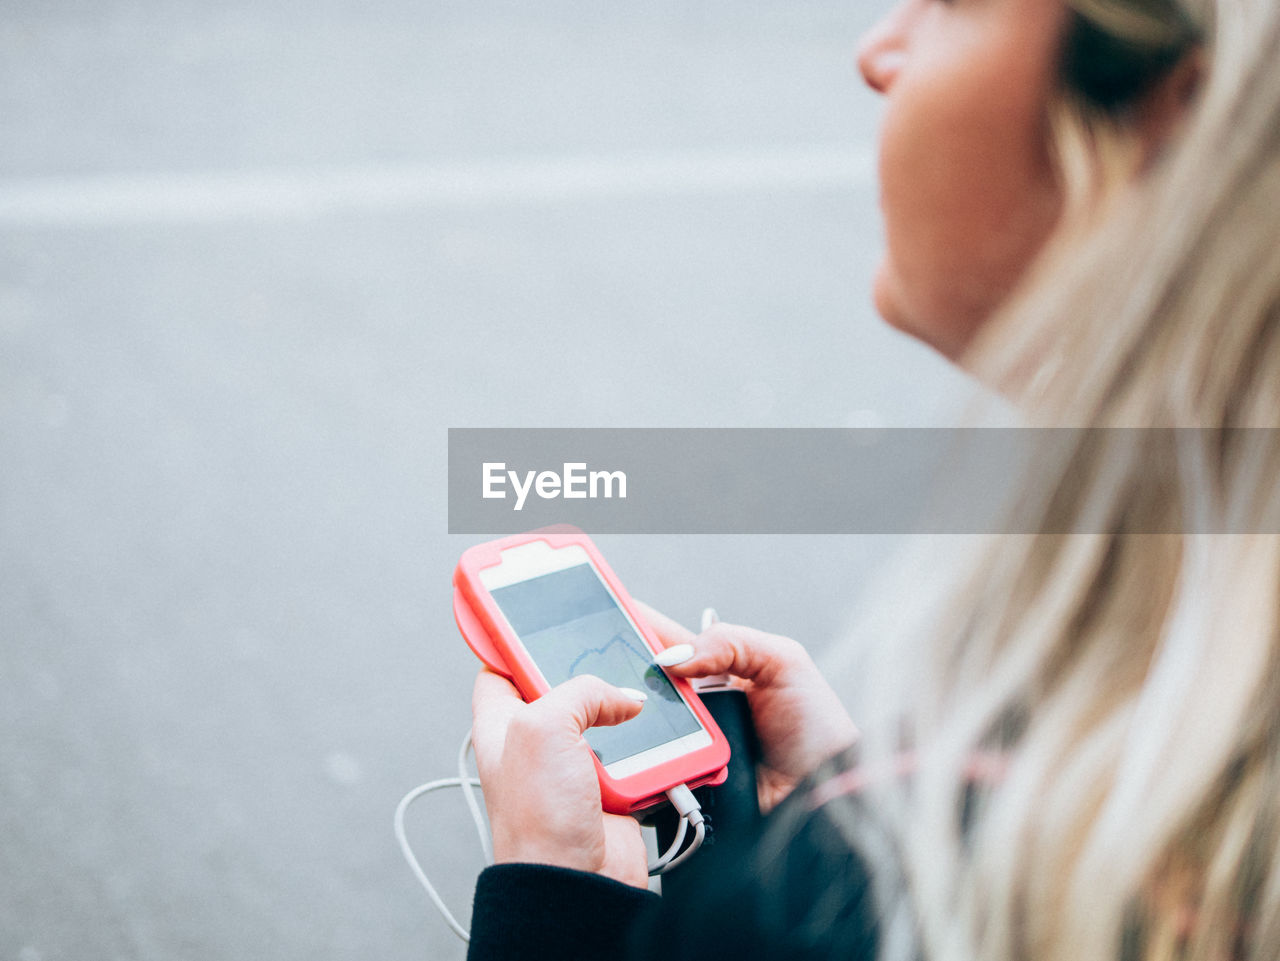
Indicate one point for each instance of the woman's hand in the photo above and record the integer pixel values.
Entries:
(540, 783)
(798, 717)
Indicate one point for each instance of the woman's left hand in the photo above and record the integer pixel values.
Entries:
(540, 784)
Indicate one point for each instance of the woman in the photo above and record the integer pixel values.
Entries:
(1078, 755)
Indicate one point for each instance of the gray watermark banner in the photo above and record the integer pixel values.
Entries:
(864, 481)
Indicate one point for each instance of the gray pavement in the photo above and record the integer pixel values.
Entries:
(225, 640)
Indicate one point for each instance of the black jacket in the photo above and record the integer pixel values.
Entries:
(794, 890)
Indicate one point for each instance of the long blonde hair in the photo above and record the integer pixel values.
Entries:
(1130, 679)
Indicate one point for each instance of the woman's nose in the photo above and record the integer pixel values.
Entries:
(881, 53)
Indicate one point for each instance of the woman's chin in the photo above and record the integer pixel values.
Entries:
(884, 300)
(927, 327)
(887, 299)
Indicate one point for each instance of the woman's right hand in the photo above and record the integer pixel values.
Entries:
(798, 717)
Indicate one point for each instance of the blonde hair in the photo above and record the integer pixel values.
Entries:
(1131, 680)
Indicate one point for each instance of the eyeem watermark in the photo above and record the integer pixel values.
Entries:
(1012, 480)
(575, 483)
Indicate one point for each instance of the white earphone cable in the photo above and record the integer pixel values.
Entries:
(680, 796)
(407, 851)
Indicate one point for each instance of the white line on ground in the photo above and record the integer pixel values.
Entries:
(291, 194)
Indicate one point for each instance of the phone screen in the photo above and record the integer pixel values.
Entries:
(571, 625)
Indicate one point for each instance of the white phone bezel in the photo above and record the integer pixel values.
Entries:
(536, 558)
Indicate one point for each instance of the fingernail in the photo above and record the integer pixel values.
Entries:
(676, 654)
(635, 695)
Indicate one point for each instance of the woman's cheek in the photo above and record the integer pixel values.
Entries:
(912, 282)
(967, 202)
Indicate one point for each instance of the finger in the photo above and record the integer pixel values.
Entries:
(493, 693)
(669, 632)
(494, 701)
(587, 701)
(741, 651)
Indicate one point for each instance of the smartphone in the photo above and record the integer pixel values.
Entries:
(544, 607)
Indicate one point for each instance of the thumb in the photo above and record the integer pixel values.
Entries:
(587, 701)
(741, 651)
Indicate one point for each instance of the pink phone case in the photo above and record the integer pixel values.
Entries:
(487, 634)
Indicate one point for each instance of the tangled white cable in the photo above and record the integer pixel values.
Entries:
(680, 796)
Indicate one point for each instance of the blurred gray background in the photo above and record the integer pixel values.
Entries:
(254, 260)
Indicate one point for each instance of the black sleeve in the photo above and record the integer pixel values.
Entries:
(530, 912)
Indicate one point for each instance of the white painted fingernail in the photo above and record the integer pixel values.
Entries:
(635, 695)
(676, 654)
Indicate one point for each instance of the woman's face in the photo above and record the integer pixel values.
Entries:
(967, 187)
